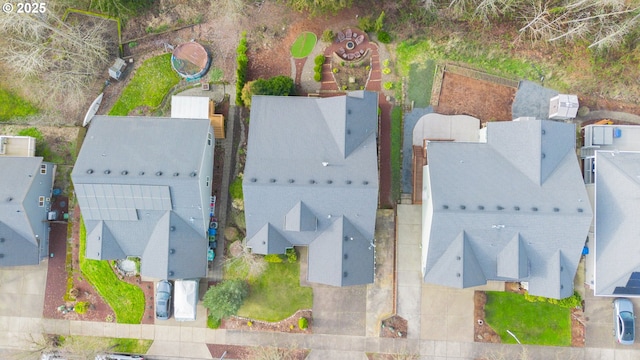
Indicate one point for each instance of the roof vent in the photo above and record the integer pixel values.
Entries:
(291, 181)
(1, 256)
(458, 257)
(124, 172)
(141, 173)
(462, 207)
(107, 172)
(176, 174)
(543, 132)
(348, 131)
(580, 210)
(171, 273)
(253, 179)
(346, 238)
(534, 208)
(556, 209)
(172, 251)
(272, 180)
(90, 171)
(346, 256)
(457, 274)
(312, 181)
(2, 240)
(348, 111)
(499, 207)
(193, 174)
(480, 207)
(445, 207)
(543, 155)
(344, 274)
(329, 181)
(365, 182)
(172, 228)
(348, 182)
(9, 199)
(158, 173)
(516, 208)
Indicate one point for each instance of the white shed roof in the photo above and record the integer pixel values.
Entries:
(190, 107)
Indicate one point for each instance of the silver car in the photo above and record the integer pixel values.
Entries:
(163, 300)
(624, 321)
(118, 357)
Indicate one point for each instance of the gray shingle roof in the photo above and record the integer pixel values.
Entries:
(24, 232)
(617, 189)
(143, 185)
(514, 208)
(311, 178)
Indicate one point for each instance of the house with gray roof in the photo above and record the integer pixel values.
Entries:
(611, 156)
(513, 208)
(144, 186)
(25, 193)
(311, 179)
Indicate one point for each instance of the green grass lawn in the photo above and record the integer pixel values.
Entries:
(535, 323)
(151, 83)
(13, 106)
(276, 294)
(396, 152)
(421, 82)
(126, 300)
(303, 45)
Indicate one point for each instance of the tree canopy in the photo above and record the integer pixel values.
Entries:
(278, 86)
(225, 299)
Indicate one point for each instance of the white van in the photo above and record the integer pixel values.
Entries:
(185, 299)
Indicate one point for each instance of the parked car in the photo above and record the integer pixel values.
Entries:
(624, 321)
(118, 357)
(163, 300)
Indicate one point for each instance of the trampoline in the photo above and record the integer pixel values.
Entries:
(190, 60)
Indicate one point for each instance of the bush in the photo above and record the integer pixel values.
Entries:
(335, 70)
(317, 77)
(273, 258)
(292, 255)
(225, 299)
(386, 71)
(303, 323)
(365, 24)
(277, 86)
(327, 35)
(388, 85)
(213, 323)
(319, 60)
(377, 26)
(384, 37)
(317, 69)
(386, 63)
(81, 307)
(571, 302)
(241, 71)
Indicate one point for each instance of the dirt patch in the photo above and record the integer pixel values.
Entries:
(288, 325)
(462, 95)
(394, 327)
(250, 352)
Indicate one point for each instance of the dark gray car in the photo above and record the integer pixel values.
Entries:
(163, 300)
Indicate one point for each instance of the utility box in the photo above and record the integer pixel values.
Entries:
(563, 107)
(185, 299)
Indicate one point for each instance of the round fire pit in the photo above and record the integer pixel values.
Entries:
(350, 45)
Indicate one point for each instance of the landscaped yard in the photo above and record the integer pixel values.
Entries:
(126, 300)
(535, 323)
(13, 106)
(276, 294)
(303, 45)
(118, 345)
(149, 86)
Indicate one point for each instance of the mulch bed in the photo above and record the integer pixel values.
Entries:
(289, 325)
(484, 333)
(394, 327)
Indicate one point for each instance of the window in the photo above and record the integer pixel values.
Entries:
(207, 181)
(43, 169)
(209, 139)
(41, 201)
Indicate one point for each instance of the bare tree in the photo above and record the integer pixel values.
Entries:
(62, 59)
(272, 353)
(245, 262)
